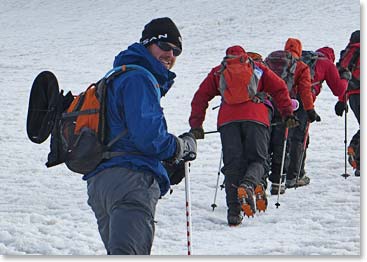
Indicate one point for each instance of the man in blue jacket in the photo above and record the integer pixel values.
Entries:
(123, 191)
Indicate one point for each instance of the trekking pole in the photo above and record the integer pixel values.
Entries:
(210, 132)
(345, 175)
(188, 207)
(216, 187)
(303, 153)
(277, 204)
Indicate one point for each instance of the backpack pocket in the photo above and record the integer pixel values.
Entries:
(85, 151)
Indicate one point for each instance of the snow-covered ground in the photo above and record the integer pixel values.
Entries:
(44, 211)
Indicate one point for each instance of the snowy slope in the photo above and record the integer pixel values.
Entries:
(44, 211)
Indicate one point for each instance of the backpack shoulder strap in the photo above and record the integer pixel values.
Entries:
(353, 61)
(109, 76)
(116, 71)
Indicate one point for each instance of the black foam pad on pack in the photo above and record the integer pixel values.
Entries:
(42, 107)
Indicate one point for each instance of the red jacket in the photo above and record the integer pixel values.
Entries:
(247, 111)
(302, 75)
(325, 70)
(356, 72)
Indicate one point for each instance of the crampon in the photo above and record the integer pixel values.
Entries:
(261, 199)
(246, 197)
(352, 157)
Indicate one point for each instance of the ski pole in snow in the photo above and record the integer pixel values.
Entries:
(345, 175)
(303, 153)
(216, 187)
(277, 204)
(188, 207)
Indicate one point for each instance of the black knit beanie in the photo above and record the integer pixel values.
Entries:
(161, 29)
(354, 38)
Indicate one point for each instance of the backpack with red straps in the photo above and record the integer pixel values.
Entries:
(239, 78)
(350, 61)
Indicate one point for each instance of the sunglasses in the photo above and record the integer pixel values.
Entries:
(167, 47)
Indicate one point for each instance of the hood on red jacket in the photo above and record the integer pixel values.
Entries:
(294, 46)
(355, 37)
(236, 50)
(328, 52)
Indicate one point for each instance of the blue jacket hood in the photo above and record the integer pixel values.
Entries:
(137, 54)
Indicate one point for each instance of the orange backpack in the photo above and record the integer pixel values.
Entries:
(77, 124)
(239, 78)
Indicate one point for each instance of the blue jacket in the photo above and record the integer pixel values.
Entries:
(133, 102)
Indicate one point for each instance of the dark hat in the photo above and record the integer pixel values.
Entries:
(354, 37)
(161, 29)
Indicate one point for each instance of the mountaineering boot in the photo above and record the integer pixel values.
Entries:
(357, 172)
(261, 199)
(246, 197)
(352, 157)
(275, 188)
(302, 181)
(234, 219)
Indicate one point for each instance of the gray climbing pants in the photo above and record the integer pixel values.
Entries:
(124, 203)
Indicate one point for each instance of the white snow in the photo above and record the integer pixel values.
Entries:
(44, 211)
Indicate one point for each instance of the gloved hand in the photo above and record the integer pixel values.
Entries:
(313, 116)
(291, 121)
(186, 147)
(198, 132)
(176, 171)
(339, 108)
(345, 74)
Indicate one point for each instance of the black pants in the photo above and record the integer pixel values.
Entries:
(293, 162)
(354, 102)
(245, 151)
(296, 147)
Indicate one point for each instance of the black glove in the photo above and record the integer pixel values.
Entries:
(313, 116)
(186, 147)
(291, 121)
(176, 171)
(339, 108)
(345, 74)
(198, 132)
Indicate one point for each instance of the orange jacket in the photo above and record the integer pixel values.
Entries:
(302, 75)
